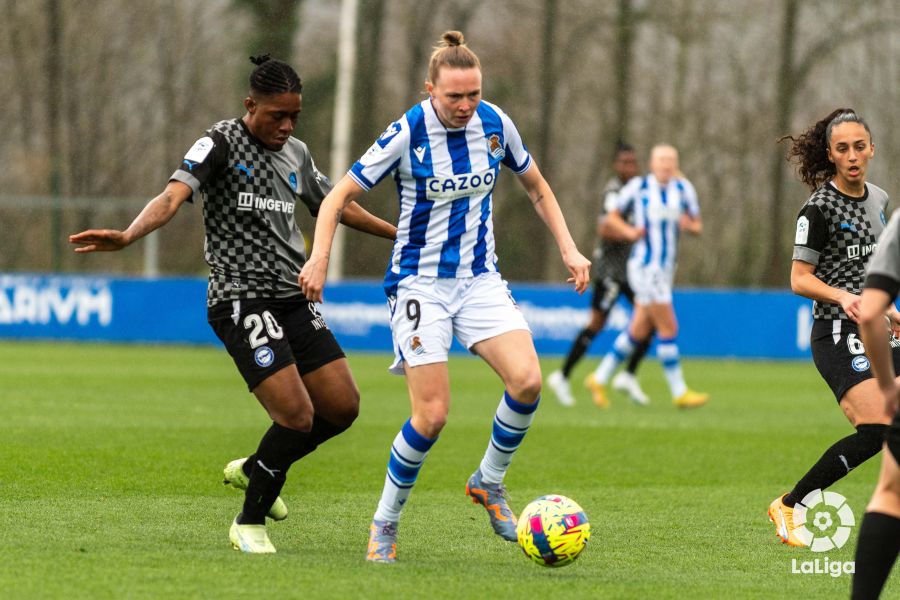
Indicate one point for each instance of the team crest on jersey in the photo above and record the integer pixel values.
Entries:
(292, 179)
(494, 147)
(416, 346)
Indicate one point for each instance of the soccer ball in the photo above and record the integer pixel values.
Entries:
(553, 530)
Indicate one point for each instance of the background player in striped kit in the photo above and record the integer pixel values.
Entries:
(837, 229)
(445, 154)
(610, 282)
(251, 173)
(664, 203)
(879, 532)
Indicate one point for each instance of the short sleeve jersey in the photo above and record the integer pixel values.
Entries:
(837, 234)
(657, 209)
(445, 179)
(883, 272)
(611, 257)
(253, 244)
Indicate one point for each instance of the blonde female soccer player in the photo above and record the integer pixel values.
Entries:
(444, 155)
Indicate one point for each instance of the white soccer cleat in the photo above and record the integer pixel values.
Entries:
(560, 386)
(628, 384)
(251, 539)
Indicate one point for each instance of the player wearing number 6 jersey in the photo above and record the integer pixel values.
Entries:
(837, 230)
(445, 155)
(251, 174)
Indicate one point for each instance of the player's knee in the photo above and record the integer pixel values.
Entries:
(298, 420)
(526, 386)
(348, 410)
(430, 422)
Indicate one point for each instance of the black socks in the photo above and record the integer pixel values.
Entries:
(268, 470)
(579, 347)
(640, 350)
(583, 342)
(279, 448)
(840, 459)
(876, 551)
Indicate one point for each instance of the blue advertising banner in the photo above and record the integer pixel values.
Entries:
(713, 323)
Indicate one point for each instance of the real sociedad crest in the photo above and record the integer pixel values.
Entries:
(494, 147)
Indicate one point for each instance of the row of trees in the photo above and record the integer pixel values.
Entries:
(105, 96)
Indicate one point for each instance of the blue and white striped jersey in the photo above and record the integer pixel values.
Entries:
(445, 179)
(658, 209)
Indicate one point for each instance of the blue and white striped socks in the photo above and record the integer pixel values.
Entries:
(667, 351)
(621, 349)
(511, 423)
(408, 452)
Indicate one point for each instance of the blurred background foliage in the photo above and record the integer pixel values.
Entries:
(103, 97)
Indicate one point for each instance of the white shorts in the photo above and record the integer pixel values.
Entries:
(651, 284)
(429, 311)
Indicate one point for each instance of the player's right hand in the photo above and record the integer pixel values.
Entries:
(850, 303)
(312, 278)
(99, 240)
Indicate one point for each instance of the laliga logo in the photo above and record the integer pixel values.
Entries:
(823, 520)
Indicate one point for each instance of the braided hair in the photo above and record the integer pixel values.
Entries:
(809, 150)
(272, 76)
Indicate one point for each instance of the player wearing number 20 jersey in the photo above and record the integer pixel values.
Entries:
(251, 174)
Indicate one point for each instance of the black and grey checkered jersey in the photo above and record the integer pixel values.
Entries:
(610, 258)
(838, 234)
(253, 244)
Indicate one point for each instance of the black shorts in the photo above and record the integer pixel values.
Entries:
(607, 290)
(839, 355)
(893, 437)
(265, 335)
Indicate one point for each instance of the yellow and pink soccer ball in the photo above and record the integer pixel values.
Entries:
(553, 531)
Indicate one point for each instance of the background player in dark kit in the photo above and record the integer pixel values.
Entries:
(610, 282)
(250, 173)
(836, 233)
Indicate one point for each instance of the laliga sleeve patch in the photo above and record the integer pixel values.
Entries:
(802, 231)
(200, 150)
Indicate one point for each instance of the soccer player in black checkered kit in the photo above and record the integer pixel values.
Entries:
(251, 173)
(837, 231)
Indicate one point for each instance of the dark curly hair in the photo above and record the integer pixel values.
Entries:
(272, 76)
(809, 150)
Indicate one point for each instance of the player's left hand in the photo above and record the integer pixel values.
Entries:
(312, 278)
(580, 268)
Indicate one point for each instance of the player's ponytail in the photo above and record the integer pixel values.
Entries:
(451, 52)
(809, 150)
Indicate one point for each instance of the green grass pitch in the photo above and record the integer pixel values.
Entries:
(110, 484)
